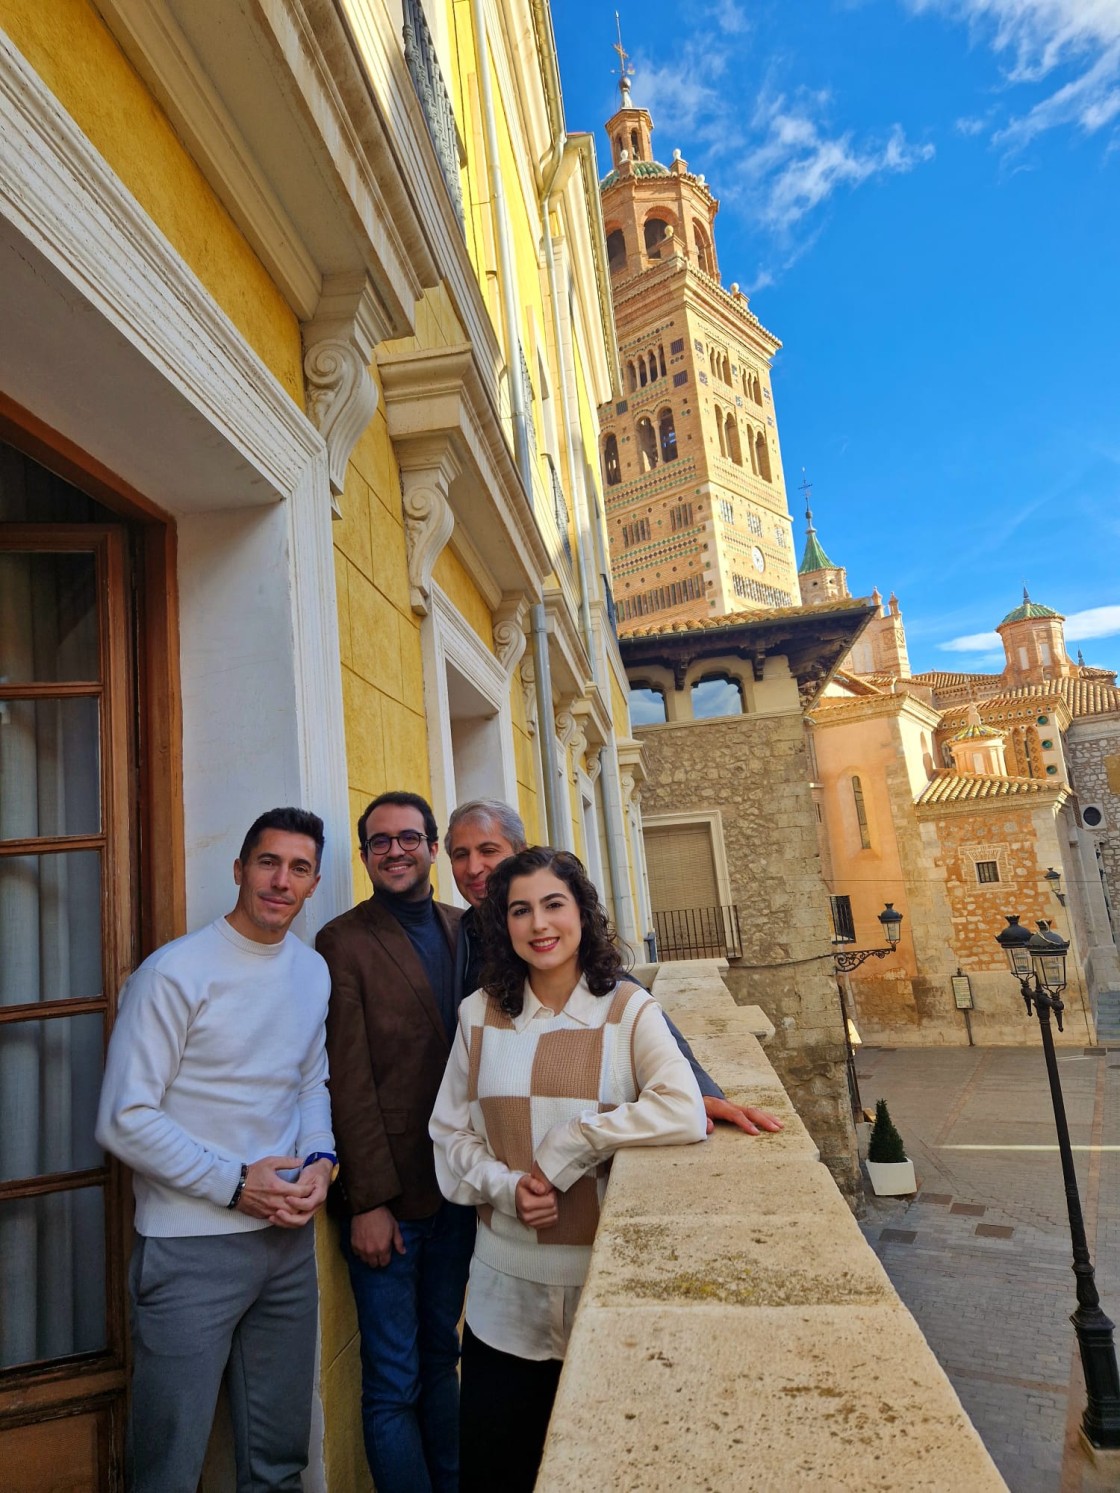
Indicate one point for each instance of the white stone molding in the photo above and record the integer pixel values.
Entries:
(428, 519)
(629, 788)
(594, 765)
(62, 198)
(449, 643)
(510, 637)
(436, 398)
(338, 350)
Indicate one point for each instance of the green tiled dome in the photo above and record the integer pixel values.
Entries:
(814, 557)
(638, 168)
(1028, 610)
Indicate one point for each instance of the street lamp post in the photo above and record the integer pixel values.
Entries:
(851, 959)
(1042, 986)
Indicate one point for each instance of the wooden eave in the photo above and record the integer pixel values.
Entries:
(813, 640)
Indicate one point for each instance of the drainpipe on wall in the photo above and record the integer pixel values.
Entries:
(565, 153)
(557, 821)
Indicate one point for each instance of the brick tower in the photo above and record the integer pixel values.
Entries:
(692, 473)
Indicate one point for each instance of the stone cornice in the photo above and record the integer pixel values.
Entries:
(439, 395)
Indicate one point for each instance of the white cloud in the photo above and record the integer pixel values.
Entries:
(973, 642)
(1070, 47)
(788, 160)
(1092, 622)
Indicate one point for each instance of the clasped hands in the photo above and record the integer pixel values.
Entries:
(289, 1205)
(536, 1199)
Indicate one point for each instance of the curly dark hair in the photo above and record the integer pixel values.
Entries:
(503, 971)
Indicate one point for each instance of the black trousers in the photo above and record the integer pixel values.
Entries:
(504, 1406)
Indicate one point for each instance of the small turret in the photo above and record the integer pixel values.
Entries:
(1034, 644)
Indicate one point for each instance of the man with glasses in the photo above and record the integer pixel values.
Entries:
(390, 1025)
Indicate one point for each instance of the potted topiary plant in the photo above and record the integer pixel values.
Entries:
(891, 1172)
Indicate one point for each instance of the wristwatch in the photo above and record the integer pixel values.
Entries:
(323, 1156)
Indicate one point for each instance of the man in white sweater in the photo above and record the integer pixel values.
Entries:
(215, 1095)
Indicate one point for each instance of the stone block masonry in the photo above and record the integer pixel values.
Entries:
(754, 770)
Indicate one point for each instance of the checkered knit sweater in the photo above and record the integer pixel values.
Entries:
(522, 1089)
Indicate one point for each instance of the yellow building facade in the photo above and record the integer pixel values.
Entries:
(307, 321)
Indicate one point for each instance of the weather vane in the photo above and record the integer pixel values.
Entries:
(625, 66)
(807, 488)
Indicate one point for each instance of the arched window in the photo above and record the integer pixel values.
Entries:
(661, 357)
(647, 705)
(725, 370)
(762, 453)
(757, 390)
(667, 434)
(642, 379)
(746, 383)
(618, 147)
(714, 695)
(616, 250)
(647, 444)
(631, 376)
(734, 449)
(655, 236)
(713, 362)
(861, 814)
(750, 448)
(719, 430)
(652, 366)
(612, 472)
(635, 145)
(703, 248)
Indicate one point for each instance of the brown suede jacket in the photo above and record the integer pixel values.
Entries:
(387, 1049)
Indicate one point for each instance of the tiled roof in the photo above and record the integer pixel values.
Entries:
(814, 557)
(940, 680)
(955, 787)
(638, 168)
(1082, 697)
(1029, 610)
(976, 732)
(745, 617)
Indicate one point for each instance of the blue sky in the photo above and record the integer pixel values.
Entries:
(922, 199)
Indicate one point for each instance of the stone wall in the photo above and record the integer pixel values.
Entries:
(755, 771)
(735, 1330)
(1093, 752)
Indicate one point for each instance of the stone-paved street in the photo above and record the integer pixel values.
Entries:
(982, 1255)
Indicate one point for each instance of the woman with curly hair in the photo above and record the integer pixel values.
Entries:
(559, 1061)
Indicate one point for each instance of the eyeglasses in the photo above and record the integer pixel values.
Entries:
(408, 839)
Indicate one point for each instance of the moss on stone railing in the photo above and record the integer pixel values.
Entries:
(736, 1332)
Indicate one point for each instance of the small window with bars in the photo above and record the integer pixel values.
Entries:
(635, 533)
(680, 378)
(843, 928)
(987, 872)
(680, 516)
(676, 347)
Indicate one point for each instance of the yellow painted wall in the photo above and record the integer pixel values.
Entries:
(72, 50)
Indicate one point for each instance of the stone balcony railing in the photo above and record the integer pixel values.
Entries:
(736, 1332)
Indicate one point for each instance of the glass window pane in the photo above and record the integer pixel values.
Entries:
(48, 617)
(50, 927)
(52, 1288)
(50, 1075)
(50, 780)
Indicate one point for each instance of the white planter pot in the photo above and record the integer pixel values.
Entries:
(891, 1178)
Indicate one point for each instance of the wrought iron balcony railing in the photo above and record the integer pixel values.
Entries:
(435, 101)
(698, 933)
(560, 510)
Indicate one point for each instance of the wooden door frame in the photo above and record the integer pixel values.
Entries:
(142, 796)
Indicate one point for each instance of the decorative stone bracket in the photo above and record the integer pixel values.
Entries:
(509, 632)
(338, 344)
(428, 518)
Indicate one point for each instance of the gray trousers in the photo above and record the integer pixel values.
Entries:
(240, 1305)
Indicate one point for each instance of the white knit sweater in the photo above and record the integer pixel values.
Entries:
(566, 1090)
(217, 1058)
